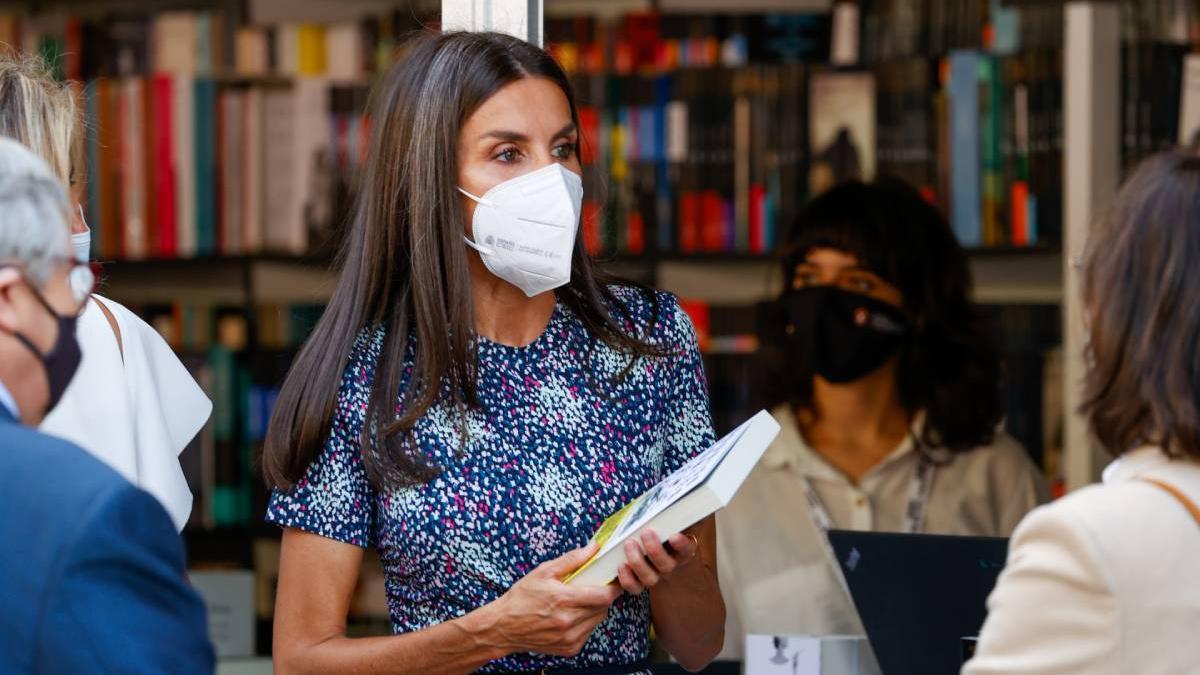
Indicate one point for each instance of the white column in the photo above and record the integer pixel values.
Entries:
(1091, 173)
(522, 18)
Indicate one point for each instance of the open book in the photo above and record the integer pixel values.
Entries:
(698, 489)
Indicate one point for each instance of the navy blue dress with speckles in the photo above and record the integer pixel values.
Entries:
(557, 445)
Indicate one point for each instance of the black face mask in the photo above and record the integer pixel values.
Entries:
(64, 356)
(841, 336)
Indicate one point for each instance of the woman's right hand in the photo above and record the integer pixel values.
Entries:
(542, 614)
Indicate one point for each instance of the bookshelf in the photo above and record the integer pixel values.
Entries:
(217, 280)
(1002, 276)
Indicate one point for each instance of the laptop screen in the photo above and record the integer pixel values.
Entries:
(919, 595)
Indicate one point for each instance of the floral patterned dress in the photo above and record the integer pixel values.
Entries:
(559, 443)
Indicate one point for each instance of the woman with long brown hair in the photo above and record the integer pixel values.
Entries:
(478, 398)
(1104, 581)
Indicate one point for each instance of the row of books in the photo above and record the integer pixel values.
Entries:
(650, 42)
(221, 463)
(905, 29)
(712, 160)
(887, 30)
(239, 356)
(1160, 78)
(184, 166)
(1169, 21)
(722, 160)
(1153, 90)
(700, 160)
(1005, 136)
(208, 43)
(978, 133)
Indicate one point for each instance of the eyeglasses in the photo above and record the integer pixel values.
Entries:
(81, 277)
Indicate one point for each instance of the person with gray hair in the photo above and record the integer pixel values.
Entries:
(92, 574)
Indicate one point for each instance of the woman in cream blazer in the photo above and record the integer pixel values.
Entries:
(1107, 579)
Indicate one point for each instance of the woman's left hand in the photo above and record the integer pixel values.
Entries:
(648, 562)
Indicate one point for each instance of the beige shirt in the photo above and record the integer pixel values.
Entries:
(775, 571)
(1104, 581)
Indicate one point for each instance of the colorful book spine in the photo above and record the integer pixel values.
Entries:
(991, 95)
(205, 155)
(164, 185)
(95, 210)
(965, 149)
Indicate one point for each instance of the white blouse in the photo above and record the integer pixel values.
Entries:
(135, 406)
(776, 574)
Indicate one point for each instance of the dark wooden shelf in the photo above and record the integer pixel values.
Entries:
(151, 264)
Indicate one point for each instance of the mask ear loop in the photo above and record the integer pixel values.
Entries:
(481, 202)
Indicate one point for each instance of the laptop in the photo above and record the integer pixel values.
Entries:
(919, 595)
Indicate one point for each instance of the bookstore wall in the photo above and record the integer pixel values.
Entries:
(220, 155)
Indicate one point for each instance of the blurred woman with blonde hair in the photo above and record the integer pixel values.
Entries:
(132, 403)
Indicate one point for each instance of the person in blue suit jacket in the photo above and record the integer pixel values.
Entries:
(91, 568)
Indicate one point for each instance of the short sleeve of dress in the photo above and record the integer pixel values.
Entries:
(334, 498)
(689, 419)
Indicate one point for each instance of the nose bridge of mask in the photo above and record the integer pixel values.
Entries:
(545, 199)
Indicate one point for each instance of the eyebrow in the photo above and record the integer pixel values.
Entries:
(518, 137)
(852, 268)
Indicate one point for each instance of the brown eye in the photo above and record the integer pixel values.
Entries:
(804, 278)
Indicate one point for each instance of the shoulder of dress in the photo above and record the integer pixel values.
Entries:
(649, 310)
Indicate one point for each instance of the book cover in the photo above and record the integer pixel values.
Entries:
(991, 104)
(164, 184)
(698, 489)
(742, 159)
(287, 50)
(671, 115)
(1022, 234)
(183, 151)
(344, 52)
(965, 149)
(251, 154)
(252, 52)
(312, 225)
(175, 43)
(108, 179)
(283, 161)
(10, 30)
(150, 144)
(132, 163)
(841, 129)
(230, 147)
(311, 57)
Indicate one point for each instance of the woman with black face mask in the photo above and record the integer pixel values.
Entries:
(887, 389)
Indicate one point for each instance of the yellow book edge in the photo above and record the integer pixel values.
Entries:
(607, 529)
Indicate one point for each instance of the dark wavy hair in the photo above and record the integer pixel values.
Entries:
(405, 267)
(949, 367)
(1141, 282)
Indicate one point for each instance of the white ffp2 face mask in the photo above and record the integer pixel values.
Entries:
(81, 242)
(525, 228)
(81, 246)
